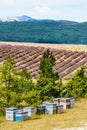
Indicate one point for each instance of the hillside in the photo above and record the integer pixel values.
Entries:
(29, 56)
(44, 31)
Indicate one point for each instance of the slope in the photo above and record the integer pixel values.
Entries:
(29, 56)
(44, 31)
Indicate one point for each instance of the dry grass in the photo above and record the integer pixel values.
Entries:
(57, 46)
(75, 117)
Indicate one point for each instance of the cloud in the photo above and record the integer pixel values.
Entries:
(40, 12)
(7, 2)
(44, 3)
(54, 2)
(42, 9)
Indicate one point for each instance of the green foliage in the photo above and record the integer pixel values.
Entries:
(44, 31)
(7, 74)
(46, 66)
(28, 87)
(77, 85)
(47, 81)
(15, 85)
(25, 80)
(33, 98)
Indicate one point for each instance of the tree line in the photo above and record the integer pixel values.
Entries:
(44, 31)
(17, 88)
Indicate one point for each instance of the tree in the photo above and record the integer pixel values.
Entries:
(25, 80)
(10, 90)
(6, 79)
(46, 66)
(28, 87)
(48, 79)
(16, 86)
(76, 85)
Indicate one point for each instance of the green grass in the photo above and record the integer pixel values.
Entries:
(70, 118)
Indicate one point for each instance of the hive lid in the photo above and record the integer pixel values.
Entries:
(11, 109)
(28, 107)
(21, 112)
(51, 103)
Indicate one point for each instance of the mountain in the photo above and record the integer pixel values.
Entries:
(27, 18)
(16, 18)
(42, 31)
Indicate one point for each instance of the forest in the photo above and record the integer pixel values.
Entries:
(44, 31)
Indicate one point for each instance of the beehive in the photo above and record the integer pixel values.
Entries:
(30, 110)
(50, 108)
(21, 115)
(10, 113)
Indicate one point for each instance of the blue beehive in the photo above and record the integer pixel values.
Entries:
(21, 115)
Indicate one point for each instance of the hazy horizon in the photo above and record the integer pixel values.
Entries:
(71, 10)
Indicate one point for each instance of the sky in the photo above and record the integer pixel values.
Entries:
(74, 10)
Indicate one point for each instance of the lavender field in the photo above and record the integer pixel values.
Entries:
(29, 56)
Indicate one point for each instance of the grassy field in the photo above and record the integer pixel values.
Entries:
(76, 117)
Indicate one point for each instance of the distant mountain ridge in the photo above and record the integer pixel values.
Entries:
(68, 22)
(16, 18)
(27, 29)
(28, 18)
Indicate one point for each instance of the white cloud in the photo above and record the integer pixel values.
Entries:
(42, 9)
(40, 12)
(7, 2)
(54, 2)
(48, 3)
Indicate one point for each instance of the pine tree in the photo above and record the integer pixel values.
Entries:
(6, 79)
(46, 66)
(25, 82)
(76, 85)
(10, 90)
(47, 82)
